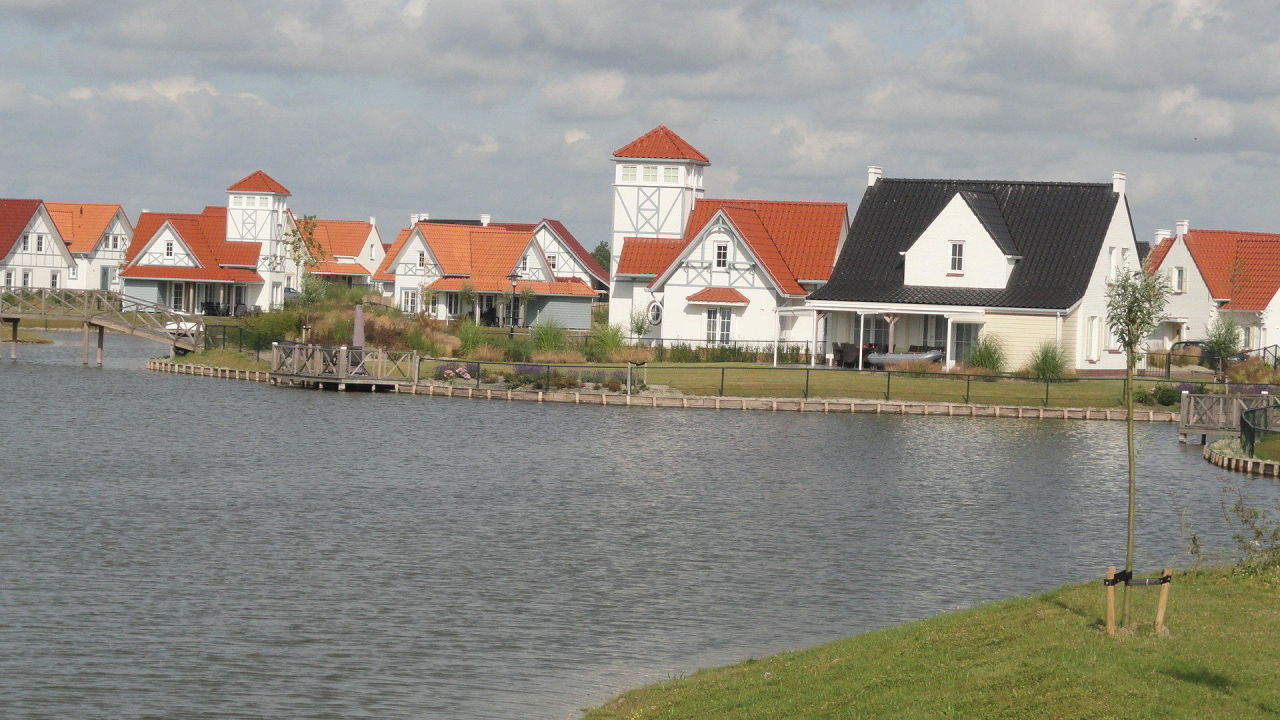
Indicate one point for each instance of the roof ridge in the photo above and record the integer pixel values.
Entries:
(774, 202)
(1067, 183)
(1259, 235)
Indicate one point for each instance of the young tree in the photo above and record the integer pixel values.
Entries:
(601, 254)
(305, 251)
(1135, 303)
(1222, 342)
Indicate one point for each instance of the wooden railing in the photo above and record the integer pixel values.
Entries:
(1217, 412)
(341, 363)
(106, 308)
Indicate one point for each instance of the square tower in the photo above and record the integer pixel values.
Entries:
(656, 179)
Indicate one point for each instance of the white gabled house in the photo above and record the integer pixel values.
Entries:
(62, 245)
(346, 251)
(934, 264)
(713, 271)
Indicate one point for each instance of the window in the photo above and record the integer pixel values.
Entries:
(179, 296)
(409, 301)
(53, 279)
(26, 278)
(524, 264)
(113, 276)
(670, 175)
(957, 257)
(655, 314)
(422, 258)
(26, 243)
(628, 173)
(39, 243)
(73, 272)
(719, 320)
(650, 173)
(371, 249)
(935, 331)
(1091, 338)
(963, 335)
(722, 255)
(551, 261)
(1179, 279)
(117, 241)
(8, 278)
(168, 248)
(452, 304)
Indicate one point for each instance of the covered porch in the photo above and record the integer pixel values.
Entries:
(854, 333)
(206, 298)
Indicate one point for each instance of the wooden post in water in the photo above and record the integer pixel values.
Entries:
(1163, 602)
(13, 339)
(84, 344)
(1111, 601)
(101, 332)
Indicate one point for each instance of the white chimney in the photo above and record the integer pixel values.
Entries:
(1117, 182)
(1161, 235)
(145, 210)
(484, 219)
(373, 220)
(873, 174)
(1183, 226)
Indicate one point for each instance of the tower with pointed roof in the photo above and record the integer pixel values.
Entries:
(657, 178)
(258, 211)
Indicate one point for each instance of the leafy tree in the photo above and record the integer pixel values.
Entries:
(602, 254)
(639, 323)
(304, 249)
(1223, 340)
(1135, 304)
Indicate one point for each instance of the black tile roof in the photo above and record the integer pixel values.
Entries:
(1057, 228)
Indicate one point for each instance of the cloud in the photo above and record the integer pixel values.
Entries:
(586, 95)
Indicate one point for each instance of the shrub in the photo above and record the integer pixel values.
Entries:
(600, 315)
(1223, 338)
(515, 349)
(558, 357)
(1253, 370)
(1188, 356)
(548, 335)
(682, 353)
(470, 336)
(1166, 395)
(988, 353)
(602, 340)
(1049, 362)
(631, 354)
(565, 381)
(639, 323)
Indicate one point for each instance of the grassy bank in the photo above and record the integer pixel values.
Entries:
(218, 357)
(1041, 657)
(24, 337)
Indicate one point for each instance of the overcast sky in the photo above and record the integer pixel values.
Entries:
(513, 107)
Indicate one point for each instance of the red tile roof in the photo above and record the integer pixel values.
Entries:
(326, 267)
(1157, 254)
(794, 241)
(14, 216)
(205, 236)
(1242, 268)
(660, 144)
(648, 256)
(479, 256)
(340, 238)
(81, 225)
(719, 296)
(587, 259)
(258, 181)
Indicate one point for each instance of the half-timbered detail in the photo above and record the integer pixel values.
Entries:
(223, 260)
(62, 245)
(349, 251)
(712, 271)
(32, 251)
(932, 265)
(495, 273)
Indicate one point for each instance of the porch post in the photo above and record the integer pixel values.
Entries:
(813, 348)
(862, 325)
(950, 360)
(777, 334)
(893, 322)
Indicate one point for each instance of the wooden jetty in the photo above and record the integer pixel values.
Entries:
(342, 368)
(1205, 418)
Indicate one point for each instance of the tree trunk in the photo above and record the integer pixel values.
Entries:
(1133, 484)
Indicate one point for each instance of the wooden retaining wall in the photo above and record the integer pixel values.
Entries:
(1252, 466)
(878, 407)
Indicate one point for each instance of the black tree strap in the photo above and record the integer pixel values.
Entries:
(1162, 580)
(1124, 576)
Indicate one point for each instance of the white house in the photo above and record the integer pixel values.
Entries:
(1218, 272)
(934, 264)
(712, 271)
(223, 260)
(454, 268)
(347, 251)
(69, 245)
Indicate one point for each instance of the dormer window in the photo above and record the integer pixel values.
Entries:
(168, 248)
(957, 256)
(524, 264)
(628, 173)
(722, 255)
(670, 175)
(650, 173)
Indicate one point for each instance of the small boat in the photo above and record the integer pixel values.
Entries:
(879, 359)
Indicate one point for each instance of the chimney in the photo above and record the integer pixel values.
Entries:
(1117, 182)
(1161, 235)
(484, 219)
(145, 210)
(873, 174)
(1183, 226)
(414, 219)
(373, 220)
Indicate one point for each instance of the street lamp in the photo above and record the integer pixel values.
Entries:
(511, 321)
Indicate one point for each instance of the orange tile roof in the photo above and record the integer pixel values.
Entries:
(1157, 254)
(647, 256)
(340, 238)
(571, 286)
(81, 225)
(587, 259)
(660, 143)
(1242, 268)
(383, 272)
(205, 236)
(326, 267)
(719, 296)
(794, 241)
(258, 181)
(14, 216)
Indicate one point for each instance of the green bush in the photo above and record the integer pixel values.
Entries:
(549, 335)
(274, 326)
(1049, 362)
(987, 353)
(1166, 395)
(602, 340)
(471, 335)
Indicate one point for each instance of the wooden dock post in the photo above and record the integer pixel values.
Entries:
(1163, 602)
(13, 339)
(1111, 601)
(102, 331)
(84, 344)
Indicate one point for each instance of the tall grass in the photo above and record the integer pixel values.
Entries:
(987, 353)
(602, 340)
(549, 336)
(1049, 362)
(470, 336)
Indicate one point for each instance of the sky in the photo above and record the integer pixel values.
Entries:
(514, 107)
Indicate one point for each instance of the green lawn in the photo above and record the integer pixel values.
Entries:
(1038, 657)
(218, 357)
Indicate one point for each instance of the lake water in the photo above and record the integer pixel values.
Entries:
(182, 547)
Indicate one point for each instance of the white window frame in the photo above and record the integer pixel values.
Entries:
(650, 173)
(39, 243)
(551, 261)
(55, 278)
(957, 256)
(26, 242)
(452, 304)
(178, 293)
(422, 258)
(1179, 279)
(113, 275)
(26, 278)
(721, 248)
(719, 325)
(671, 175)
(73, 271)
(371, 251)
(168, 248)
(409, 301)
(629, 173)
(1091, 340)
(8, 278)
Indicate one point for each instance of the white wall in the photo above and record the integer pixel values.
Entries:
(91, 264)
(1195, 306)
(928, 261)
(42, 264)
(1094, 303)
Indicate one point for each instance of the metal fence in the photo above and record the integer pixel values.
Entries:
(1260, 432)
(235, 337)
